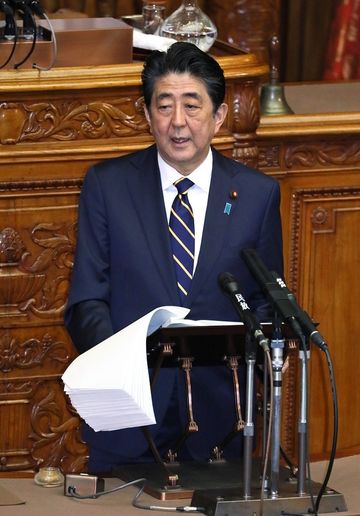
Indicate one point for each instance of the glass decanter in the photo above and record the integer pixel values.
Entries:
(189, 23)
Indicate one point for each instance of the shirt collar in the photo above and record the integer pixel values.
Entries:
(201, 176)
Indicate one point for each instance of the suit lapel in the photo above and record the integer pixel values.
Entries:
(217, 221)
(145, 186)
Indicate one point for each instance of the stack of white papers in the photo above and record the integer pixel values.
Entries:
(109, 385)
(151, 41)
(186, 323)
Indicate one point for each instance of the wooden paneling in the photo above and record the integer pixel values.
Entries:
(248, 24)
(329, 287)
(317, 160)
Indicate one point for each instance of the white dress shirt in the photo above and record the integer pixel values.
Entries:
(197, 195)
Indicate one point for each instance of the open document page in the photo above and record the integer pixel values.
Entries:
(109, 385)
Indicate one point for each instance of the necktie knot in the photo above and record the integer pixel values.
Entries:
(183, 185)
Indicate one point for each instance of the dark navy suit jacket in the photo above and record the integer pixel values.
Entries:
(123, 269)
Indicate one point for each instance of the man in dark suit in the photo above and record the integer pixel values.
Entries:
(124, 264)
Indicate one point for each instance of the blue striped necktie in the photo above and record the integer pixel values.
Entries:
(182, 236)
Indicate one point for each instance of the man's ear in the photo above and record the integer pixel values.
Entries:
(220, 116)
(147, 115)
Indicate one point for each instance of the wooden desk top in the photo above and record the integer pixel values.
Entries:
(52, 502)
(331, 108)
(323, 97)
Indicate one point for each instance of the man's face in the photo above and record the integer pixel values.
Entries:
(182, 120)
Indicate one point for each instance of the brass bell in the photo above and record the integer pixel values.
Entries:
(272, 97)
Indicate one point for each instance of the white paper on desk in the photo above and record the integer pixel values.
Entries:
(151, 41)
(109, 385)
(174, 322)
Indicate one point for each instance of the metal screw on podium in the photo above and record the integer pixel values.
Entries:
(272, 97)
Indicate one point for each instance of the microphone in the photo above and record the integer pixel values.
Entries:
(282, 298)
(10, 23)
(29, 26)
(268, 283)
(5, 7)
(303, 317)
(230, 286)
(35, 7)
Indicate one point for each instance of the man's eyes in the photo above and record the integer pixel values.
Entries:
(192, 107)
(188, 107)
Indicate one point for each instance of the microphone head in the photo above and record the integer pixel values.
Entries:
(5, 8)
(36, 7)
(256, 266)
(228, 282)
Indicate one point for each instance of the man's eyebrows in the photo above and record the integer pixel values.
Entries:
(192, 95)
(163, 95)
(189, 94)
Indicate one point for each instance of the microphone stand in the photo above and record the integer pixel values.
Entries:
(304, 356)
(265, 381)
(277, 346)
(250, 355)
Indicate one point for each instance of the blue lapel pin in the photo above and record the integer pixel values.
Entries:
(227, 208)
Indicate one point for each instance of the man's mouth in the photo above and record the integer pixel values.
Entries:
(178, 140)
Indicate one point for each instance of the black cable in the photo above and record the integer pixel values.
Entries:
(26, 14)
(37, 9)
(335, 431)
(10, 26)
(54, 47)
(316, 504)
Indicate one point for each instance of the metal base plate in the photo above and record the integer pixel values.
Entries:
(217, 486)
(230, 502)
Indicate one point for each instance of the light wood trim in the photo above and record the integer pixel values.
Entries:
(302, 125)
(111, 76)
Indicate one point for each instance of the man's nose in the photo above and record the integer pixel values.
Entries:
(178, 116)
